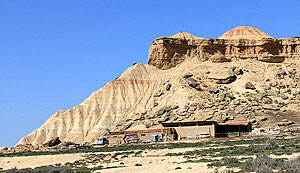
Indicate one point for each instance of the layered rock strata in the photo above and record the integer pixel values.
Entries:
(183, 82)
(167, 52)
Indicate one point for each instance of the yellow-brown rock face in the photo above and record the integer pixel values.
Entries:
(239, 43)
(183, 82)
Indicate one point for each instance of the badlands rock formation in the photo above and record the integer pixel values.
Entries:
(243, 75)
(244, 32)
(246, 43)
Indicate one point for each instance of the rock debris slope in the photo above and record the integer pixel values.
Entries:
(244, 75)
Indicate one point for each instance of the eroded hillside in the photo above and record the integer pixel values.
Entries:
(190, 78)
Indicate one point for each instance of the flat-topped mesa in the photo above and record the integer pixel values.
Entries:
(238, 43)
(146, 95)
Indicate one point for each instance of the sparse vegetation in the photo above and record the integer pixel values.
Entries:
(57, 169)
(231, 162)
(226, 161)
(233, 154)
(291, 165)
(261, 163)
(138, 153)
(198, 161)
(269, 146)
(137, 147)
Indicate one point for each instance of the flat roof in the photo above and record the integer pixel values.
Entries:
(241, 123)
(195, 123)
(188, 123)
(133, 132)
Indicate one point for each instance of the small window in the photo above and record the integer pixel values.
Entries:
(143, 134)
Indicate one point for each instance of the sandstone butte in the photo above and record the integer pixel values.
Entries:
(190, 78)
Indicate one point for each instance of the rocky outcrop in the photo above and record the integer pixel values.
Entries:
(250, 86)
(3, 149)
(168, 52)
(53, 142)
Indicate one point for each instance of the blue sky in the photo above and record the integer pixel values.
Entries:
(55, 53)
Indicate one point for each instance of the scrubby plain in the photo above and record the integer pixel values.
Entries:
(265, 154)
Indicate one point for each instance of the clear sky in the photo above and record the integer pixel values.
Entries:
(55, 53)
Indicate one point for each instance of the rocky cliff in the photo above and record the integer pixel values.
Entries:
(167, 52)
(190, 78)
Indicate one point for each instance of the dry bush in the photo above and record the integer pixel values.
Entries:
(238, 150)
(261, 164)
(271, 144)
(42, 169)
(231, 161)
(291, 166)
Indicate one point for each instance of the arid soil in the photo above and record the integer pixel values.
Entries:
(151, 161)
(181, 159)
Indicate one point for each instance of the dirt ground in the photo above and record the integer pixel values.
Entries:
(34, 161)
(151, 160)
(145, 161)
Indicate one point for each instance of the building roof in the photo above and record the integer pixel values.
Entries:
(196, 123)
(176, 124)
(241, 123)
(189, 123)
(133, 132)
